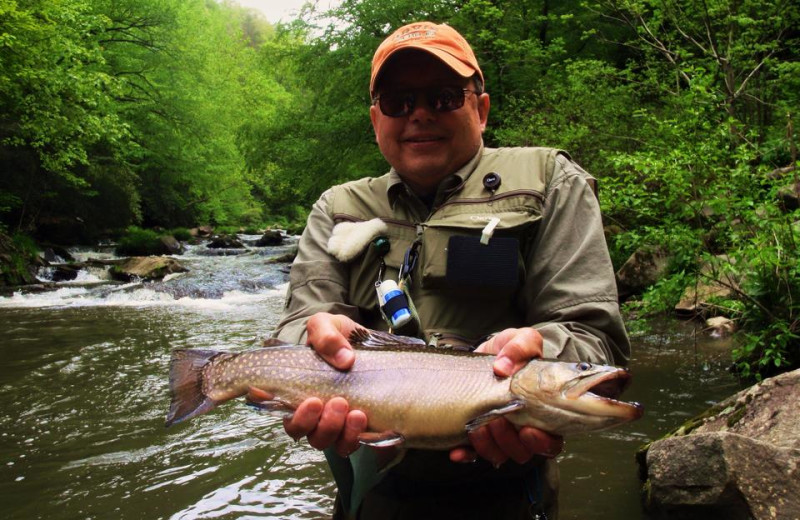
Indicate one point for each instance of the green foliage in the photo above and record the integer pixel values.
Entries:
(18, 253)
(250, 230)
(139, 242)
(181, 234)
(177, 112)
(664, 295)
(226, 230)
(768, 266)
(119, 112)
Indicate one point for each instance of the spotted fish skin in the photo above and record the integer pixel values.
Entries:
(427, 396)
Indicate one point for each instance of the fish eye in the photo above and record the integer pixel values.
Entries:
(584, 366)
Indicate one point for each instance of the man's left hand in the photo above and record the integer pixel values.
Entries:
(500, 440)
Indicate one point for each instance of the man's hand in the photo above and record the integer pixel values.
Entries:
(331, 423)
(499, 440)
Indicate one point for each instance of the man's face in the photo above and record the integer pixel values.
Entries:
(426, 146)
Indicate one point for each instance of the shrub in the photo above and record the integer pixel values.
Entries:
(139, 242)
(181, 234)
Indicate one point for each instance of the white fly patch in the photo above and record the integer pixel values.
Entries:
(349, 239)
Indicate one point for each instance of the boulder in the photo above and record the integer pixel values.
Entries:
(738, 460)
(711, 283)
(644, 268)
(720, 327)
(65, 273)
(170, 245)
(57, 255)
(146, 268)
(225, 242)
(286, 258)
(202, 231)
(790, 196)
(17, 265)
(271, 237)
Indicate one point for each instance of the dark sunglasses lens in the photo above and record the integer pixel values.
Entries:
(446, 99)
(396, 104)
(399, 104)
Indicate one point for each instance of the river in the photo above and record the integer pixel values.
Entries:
(84, 393)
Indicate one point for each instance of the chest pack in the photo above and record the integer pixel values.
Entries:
(472, 248)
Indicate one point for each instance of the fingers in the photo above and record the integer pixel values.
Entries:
(499, 441)
(329, 424)
(507, 439)
(541, 443)
(305, 418)
(514, 348)
(355, 424)
(486, 447)
(328, 334)
(463, 454)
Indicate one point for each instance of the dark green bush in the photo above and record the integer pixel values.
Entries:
(18, 256)
(181, 234)
(139, 242)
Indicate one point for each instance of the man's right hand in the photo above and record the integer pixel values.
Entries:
(332, 423)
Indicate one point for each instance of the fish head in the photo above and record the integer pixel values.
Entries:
(574, 396)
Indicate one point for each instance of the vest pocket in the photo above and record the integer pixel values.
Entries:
(453, 257)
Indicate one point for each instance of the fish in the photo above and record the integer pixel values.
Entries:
(413, 396)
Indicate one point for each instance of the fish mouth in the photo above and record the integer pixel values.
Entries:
(599, 393)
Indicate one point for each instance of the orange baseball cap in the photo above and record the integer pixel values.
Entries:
(442, 41)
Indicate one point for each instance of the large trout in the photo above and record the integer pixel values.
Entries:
(413, 396)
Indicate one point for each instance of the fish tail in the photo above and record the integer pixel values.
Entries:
(186, 384)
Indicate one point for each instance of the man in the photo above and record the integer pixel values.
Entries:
(510, 256)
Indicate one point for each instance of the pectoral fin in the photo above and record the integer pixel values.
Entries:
(481, 420)
(258, 398)
(387, 448)
(381, 439)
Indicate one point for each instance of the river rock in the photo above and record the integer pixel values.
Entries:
(146, 268)
(271, 237)
(790, 196)
(170, 245)
(57, 255)
(720, 327)
(286, 258)
(644, 268)
(738, 460)
(17, 266)
(65, 273)
(711, 283)
(202, 231)
(225, 242)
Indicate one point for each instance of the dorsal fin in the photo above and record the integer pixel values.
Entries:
(367, 338)
(273, 342)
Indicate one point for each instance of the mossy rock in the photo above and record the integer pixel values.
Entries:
(146, 268)
(18, 260)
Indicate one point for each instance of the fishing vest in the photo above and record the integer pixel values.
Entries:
(462, 289)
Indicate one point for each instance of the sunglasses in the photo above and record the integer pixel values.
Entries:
(399, 103)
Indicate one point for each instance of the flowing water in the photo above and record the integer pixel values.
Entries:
(84, 393)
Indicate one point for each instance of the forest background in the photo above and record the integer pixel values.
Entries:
(174, 113)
